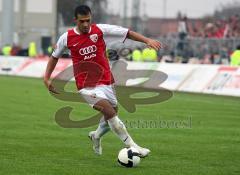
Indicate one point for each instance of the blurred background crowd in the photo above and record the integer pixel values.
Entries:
(211, 39)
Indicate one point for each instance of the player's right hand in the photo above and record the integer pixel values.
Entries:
(50, 87)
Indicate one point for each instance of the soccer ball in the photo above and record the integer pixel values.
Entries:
(128, 157)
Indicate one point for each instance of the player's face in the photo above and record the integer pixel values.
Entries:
(83, 23)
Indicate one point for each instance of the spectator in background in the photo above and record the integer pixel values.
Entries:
(32, 49)
(210, 30)
(6, 50)
(182, 27)
(137, 55)
(234, 26)
(207, 59)
(217, 58)
(149, 54)
(15, 50)
(235, 57)
(182, 35)
(214, 28)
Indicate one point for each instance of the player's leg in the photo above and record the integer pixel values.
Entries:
(95, 136)
(97, 98)
(101, 130)
(103, 126)
(117, 126)
(91, 96)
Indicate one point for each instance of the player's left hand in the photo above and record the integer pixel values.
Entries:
(154, 44)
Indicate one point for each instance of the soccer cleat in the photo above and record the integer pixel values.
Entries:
(143, 152)
(97, 148)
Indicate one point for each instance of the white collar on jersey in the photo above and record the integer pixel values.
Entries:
(75, 30)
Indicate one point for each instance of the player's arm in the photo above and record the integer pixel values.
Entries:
(124, 32)
(57, 53)
(50, 67)
(148, 41)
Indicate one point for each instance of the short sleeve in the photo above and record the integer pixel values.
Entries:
(118, 31)
(61, 46)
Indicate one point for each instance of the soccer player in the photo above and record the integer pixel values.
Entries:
(86, 43)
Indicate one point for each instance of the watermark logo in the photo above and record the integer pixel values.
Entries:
(124, 94)
(159, 123)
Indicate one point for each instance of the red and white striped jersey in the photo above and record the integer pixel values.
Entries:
(88, 53)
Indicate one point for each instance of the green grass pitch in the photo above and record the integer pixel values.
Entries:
(32, 143)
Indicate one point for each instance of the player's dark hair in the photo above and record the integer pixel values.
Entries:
(82, 10)
(238, 47)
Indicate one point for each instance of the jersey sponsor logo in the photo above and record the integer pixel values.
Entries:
(88, 50)
(94, 37)
(90, 56)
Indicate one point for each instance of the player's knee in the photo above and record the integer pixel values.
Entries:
(109, 113)
(106, 109)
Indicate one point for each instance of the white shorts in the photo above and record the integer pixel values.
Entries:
(100, 92)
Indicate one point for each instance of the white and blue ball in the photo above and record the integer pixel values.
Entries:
(128, 157)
